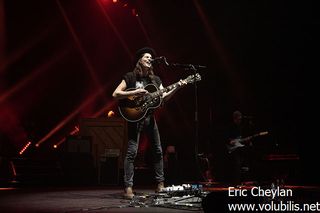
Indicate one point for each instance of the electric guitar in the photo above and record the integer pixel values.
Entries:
(135, 108)
(240, 142)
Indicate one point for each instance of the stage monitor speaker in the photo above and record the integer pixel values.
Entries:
(219, 201)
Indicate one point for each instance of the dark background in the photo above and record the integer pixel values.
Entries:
(59, 55)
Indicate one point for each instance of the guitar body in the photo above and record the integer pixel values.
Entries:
(236, 144)
(134, 109)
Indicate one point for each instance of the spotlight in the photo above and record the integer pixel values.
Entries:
(110, 114)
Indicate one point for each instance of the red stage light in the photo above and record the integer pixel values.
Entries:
(134, 12)
(24, 148)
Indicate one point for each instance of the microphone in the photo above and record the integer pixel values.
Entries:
(247, 116)
(188, 66)
(159, 60)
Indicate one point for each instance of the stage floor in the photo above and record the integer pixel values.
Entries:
(77, 199)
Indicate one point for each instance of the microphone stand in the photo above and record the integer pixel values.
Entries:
(196, 124)
(194, 68)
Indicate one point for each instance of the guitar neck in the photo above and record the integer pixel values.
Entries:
(166, 89)
(189, 79)
(249, 137)
(171, 87)
(246, 139)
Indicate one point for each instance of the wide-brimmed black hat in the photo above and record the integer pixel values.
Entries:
(140, 52)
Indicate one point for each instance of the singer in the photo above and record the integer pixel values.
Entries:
(133, 85)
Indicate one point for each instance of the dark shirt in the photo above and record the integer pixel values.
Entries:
(235, 131)
(134, 81)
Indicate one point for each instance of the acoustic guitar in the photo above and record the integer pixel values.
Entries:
(135, 108)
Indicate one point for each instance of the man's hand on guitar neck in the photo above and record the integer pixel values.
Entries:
(167, 95)
(182, 83)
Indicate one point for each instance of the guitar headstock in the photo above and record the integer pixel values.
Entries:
(193, 78)
(263, 133)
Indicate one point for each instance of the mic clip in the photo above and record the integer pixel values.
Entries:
(159, 60)
(188, 66)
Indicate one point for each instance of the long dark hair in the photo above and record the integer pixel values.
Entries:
(138, 71)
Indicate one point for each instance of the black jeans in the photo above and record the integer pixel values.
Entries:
(240, 158)
(150, 127)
